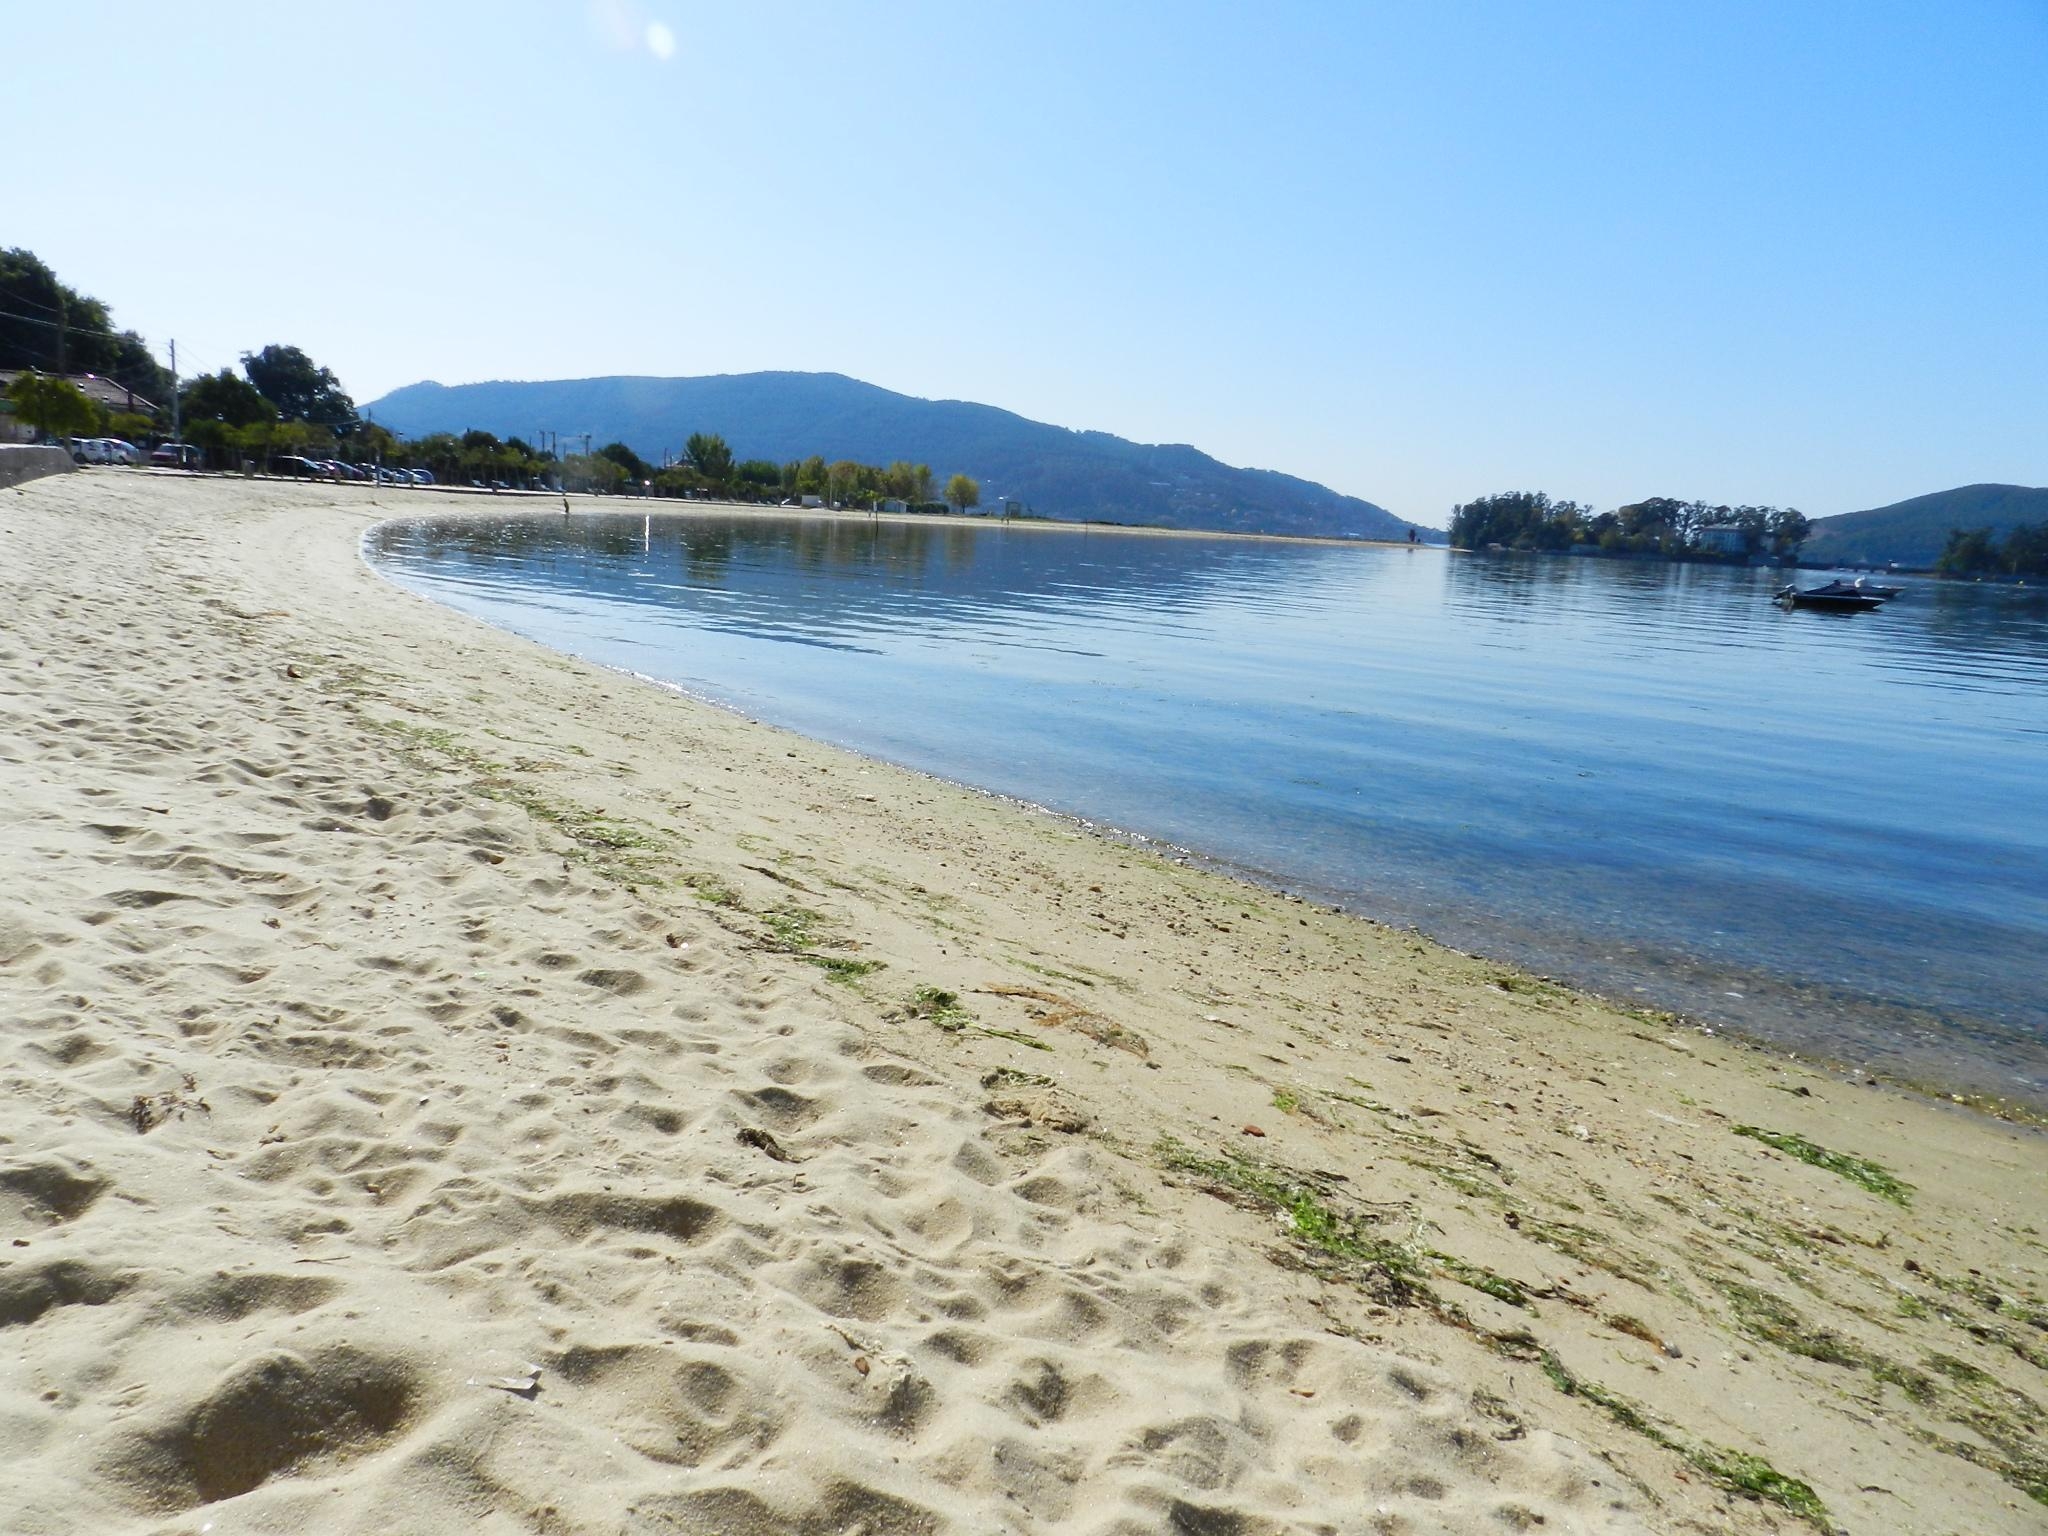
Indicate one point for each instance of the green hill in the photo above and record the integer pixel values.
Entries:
(1054, 471)
(1912, 533)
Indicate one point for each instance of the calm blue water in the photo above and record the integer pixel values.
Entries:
(1827, 832)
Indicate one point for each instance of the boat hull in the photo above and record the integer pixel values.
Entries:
(1830, 602)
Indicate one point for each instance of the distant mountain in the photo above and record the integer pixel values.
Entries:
(1053, 470)
(1913, 532)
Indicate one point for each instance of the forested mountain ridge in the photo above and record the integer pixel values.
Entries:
(1913, 532)
(1054, 471)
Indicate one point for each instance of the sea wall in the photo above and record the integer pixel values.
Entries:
(19, 462)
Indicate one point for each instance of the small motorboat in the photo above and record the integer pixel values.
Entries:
(1835, 597)
(1859, 588)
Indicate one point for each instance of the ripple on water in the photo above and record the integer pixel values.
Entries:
(1642, 776)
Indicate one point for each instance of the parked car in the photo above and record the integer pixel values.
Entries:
(176, 456)
(121, 451)
(422, 476)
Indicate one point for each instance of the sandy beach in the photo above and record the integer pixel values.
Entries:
(451, 1087)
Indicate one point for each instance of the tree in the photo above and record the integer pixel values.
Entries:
(677, 480)
(375, 442)
(305, 438)
(1968, 553)
(45, 324)
(962, 491)
(438, 452)
(759, 476)
(591, 472)
(260, 441)
(54, 407)
(635, 467)
(2026, 550)
(129, 426)
(1660, 524)
(225, 397)
(214, 438)
(299, 388)
(709, 456)
(1514, 520)
(33, 313)
(1755, 523)
(1788, 529)
(846, 480)
(479, 458)
(811, 476)
(134, 367)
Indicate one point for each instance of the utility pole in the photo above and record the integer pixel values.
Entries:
(174, 389)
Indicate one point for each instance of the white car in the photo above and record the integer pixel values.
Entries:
(120, 451)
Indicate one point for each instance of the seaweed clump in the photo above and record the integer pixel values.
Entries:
(1737, 1471)
(1860, 1171)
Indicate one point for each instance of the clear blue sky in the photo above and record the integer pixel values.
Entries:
(1739, 249)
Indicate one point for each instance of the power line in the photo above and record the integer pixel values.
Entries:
(72, 326)
(55, 325)
(48, 309)
(92, 330)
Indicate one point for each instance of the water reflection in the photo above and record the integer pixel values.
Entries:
(1644, 776)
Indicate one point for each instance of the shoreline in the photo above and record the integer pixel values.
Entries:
(1928, 1067)
(415, 1022)
(1933, 1089)
(607, 505)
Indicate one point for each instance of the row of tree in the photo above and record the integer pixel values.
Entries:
(226, 413)
(1975, 552)
(280, 402)
(1661, 525)
(707, 468)
(280, 407)
(236, 418)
